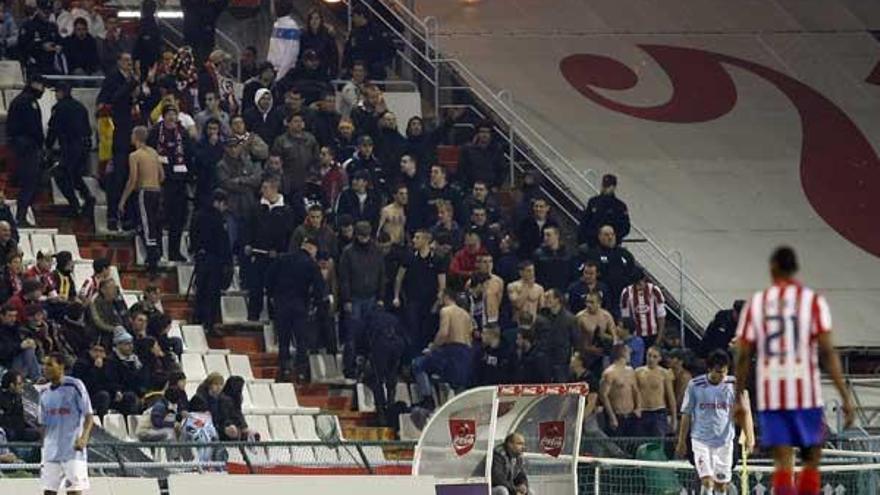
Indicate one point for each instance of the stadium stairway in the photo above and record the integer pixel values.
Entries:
(236, 338)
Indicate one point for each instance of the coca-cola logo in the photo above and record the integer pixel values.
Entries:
(463, 433)
(552, 437)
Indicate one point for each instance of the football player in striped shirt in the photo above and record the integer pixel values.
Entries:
(787, 327)
(706, 413)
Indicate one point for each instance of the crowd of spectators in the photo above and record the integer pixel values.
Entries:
(358, 240)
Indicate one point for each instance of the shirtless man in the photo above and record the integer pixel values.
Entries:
(494, 287)
(658, 396)
(620, 395)
(392, 219)
(449, 355)
(145, 176)
(680, 376)
(597, 331)
(525, 294)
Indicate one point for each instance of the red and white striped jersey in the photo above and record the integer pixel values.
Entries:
(644, 306)
(783, 324)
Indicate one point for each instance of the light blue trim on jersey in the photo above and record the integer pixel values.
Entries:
(286, 33)
(711, 410)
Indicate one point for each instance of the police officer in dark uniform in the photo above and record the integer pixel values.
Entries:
(119, 91)
(70, 125)
(24, 131)
(212, 248)
(39, 41)
(604, 209)
(295, 283)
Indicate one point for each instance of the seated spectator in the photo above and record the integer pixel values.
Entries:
(446, 225)
(525, 294)
(617, 267)
(345, 141)
(483, 160)
(449, 355)
(150, 303)
(158, 365)
(7, 456)
(554, 265)
(464, 263)
(532, 365)
(596, 332)
(8, 232)
(62, 277)
(508, 467)
(253, 143)
(440, 189)
(352, 91)
(31, 292)
(126, 370)
(326, 120)
(494, 365)
(104, 393)
(309, 76)
(81, 50)
(635, 343)
(12, 276)
(358, 202)
(588, 282)
(12, 418)
(73, 326)
(105, 320)
(42, 271)
(604, 209)
(198, 426)
(363, 160)
(620, 396)
(263, 79)
(166, 420)
(89, 288)
(222, 408)
(234, 389)
(212, 110)
(318, 36)
(333, 176)
(368, 42)
(315, 228)
(557, 329)
(159, 328)
(644, 303)
(530, 232)
(50, 339)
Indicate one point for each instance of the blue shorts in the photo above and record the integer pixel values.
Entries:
(802, 428)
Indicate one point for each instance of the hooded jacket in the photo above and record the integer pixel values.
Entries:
(258, 121)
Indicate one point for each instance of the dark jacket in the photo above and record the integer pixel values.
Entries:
(361, 272)
(33, 33)
(719, 333)
(148, 44)
(486, 163)
(616, 268)
(324, 127)
(207, 157)
(369, 164)
(348, 204)
(270, 228)
(12, 418)
(433, 195)
(530, 236)
(555, 335)
(390, 146)
(95, 379)
(222, 410)
(81, 54)
(493, 366)
(424, 145)
(370, 44)
(578, 290)
(24, 121)
(10, 344)
(70, 125)
(295, 280)
(299, 155)
(117, 91)
(240, 178)
(324, 45)
(533, 367)
(603, 209)
(199, 22)
(209, 237)
(554, 269)
(507, 471)
(127, 375)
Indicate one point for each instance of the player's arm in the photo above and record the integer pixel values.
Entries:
(132, 181)
(748, 428)
(831, 360)
(83, 440)
(743, 362)
(684, 427)
(669, 395)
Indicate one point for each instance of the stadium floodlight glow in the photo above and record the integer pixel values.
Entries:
(162, 14)
(331, 2)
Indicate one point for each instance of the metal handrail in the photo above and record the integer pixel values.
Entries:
(235, 46)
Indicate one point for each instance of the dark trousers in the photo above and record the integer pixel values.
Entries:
(417, 320)
(69, 176)
(150, 230)
(256, 268)
(290, 321)
(453, 362)
(385, 358)
(28, 173)
(209, 281)
(654, 423)
(114, 181)
(354, 337)
(176, 207)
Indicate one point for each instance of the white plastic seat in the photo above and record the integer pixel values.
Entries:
(191, 388)
(286, 400)
(114, 424)
(176, 333)
(233, 309)
(326, 455)
(375, 455)
(281, 428)
(129, 299)
(304, 426)
(402, 393)
(82, 272)
(366, 401)
(193, 367)
(65, 242)
(408, 429)
(42, 243)
(216, 363)
(257, 423)
(197, 341)
(24, 244)
(240, 365)
(184, 274)
(262, 401)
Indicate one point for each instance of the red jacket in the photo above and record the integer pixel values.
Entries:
(465, 263)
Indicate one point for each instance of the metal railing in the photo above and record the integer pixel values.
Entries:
(451, 84)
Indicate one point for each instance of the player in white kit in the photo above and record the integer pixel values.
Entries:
(66, 419)
(707, 414)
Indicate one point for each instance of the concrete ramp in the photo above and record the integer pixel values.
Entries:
(733, 126)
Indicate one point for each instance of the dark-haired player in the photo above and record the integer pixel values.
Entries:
(788, 326)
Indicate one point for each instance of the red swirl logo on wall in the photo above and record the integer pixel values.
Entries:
(840, 171)
(463, 433)
(551, 436)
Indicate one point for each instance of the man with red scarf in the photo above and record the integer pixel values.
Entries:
(175, 150)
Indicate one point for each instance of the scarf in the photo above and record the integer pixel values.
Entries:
(171, 145)
(133, 359)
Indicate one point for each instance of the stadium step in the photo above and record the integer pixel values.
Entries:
(240, 344)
